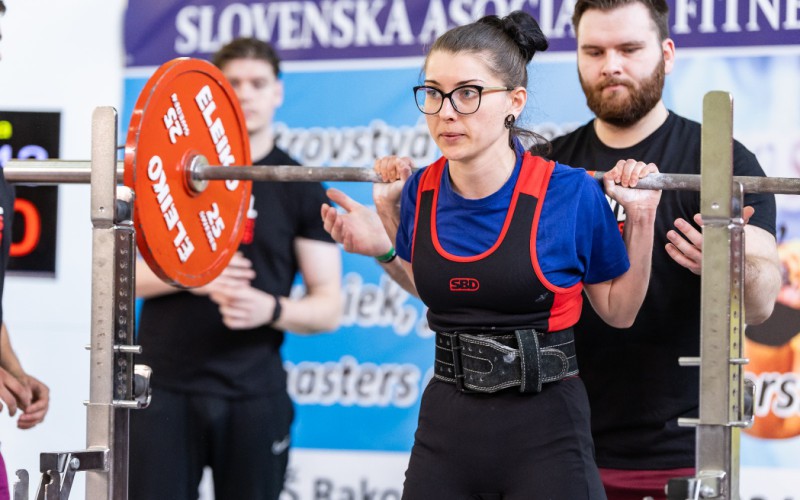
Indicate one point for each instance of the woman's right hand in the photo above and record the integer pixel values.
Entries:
(394, 170)
(357, 228)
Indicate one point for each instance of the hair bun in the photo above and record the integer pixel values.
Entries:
(524, 30)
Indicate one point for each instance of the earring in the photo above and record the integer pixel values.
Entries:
(509, 124)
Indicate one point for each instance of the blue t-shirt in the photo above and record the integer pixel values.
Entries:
(578, 237)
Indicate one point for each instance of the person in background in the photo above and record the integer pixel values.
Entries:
(637, 390)
(219, 388)
(18, 390)
(499, 243)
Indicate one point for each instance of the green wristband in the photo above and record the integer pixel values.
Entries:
(388, 256)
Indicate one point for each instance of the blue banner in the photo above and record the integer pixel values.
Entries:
(313, 30)
(348, 73)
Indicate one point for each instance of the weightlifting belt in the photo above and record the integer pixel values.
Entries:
(489, 363)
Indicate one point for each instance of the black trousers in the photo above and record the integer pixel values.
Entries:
(244, 441)
(504, 446)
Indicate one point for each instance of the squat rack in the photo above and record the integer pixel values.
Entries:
(117, 385)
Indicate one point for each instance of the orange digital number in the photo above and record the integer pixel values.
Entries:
(32, 225)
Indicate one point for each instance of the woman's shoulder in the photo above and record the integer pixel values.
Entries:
(575, 183)
(431, 169)
(576, 175)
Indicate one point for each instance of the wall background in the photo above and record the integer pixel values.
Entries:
(346, 103)
(67, 57)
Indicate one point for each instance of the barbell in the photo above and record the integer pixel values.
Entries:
(79, 172)
(186, 117)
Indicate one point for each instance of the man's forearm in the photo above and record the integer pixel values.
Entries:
(762, 275)
(761, 286)
(8, 358)
(316, 312)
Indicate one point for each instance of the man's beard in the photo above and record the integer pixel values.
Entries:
(624, 111)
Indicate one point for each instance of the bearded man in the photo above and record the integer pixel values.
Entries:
(637, 390)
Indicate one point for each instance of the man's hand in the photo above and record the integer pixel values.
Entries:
(40, 402)
(686, 247)
(13, 392)
(239, 271)
(243, 307)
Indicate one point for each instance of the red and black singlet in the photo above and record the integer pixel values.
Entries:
(502, 288)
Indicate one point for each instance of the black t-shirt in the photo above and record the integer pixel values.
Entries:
(781, 327)
(182, 335)
(6, 216)
(637, 390)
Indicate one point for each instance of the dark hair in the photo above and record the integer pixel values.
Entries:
(658, 9)
(247, 48)
(2, 7)
(508, 44)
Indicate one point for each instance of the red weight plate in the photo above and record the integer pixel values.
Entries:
(187, 108)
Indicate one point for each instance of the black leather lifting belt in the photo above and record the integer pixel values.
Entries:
(489, 363)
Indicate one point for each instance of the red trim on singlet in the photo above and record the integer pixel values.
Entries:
(427, 182)
(534, 178)
(431, 184)
(567, 301)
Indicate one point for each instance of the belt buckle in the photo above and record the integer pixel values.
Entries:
(458, 371)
